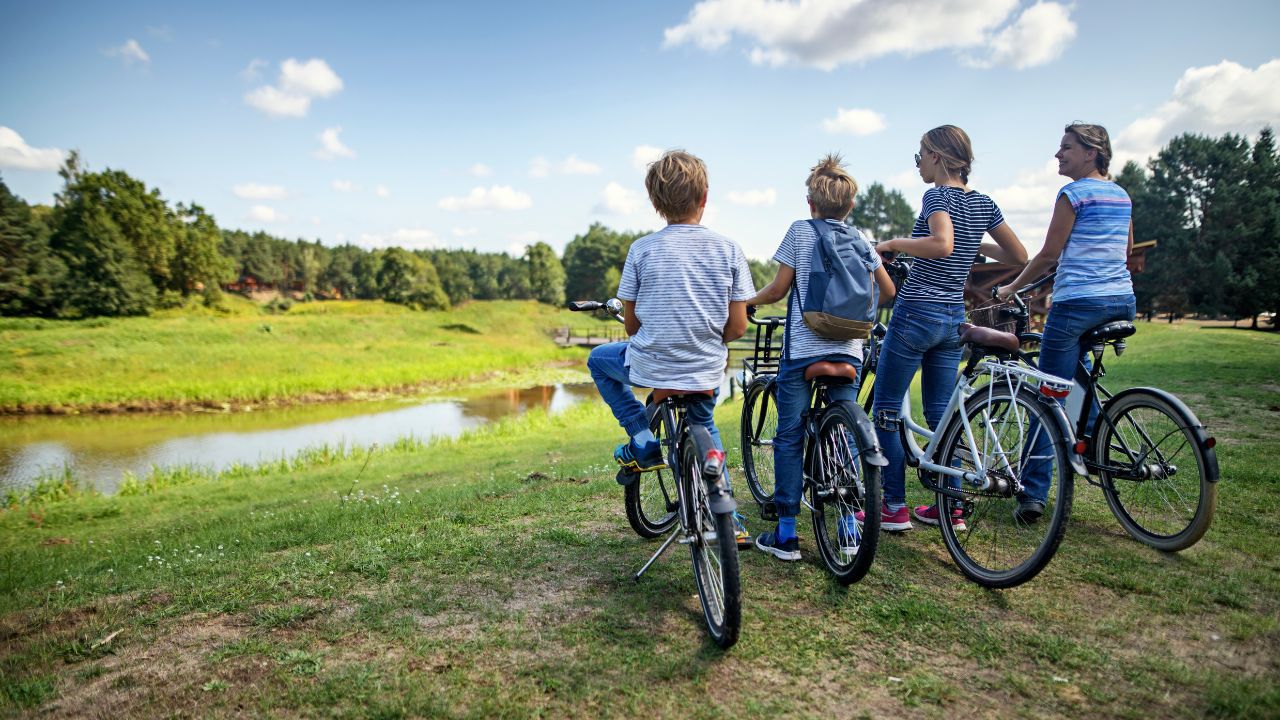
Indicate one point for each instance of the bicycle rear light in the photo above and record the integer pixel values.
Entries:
(1054, 390)
(1209, 443)
(1080, 447)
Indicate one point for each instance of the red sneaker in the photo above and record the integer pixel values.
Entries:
(895, 521)
(928, 514)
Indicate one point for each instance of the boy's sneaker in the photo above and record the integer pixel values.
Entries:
(928, 514)
(783, 550)
(850, 536)
(1028, 511)
(896, 521)
(740, 531)
(639, 459)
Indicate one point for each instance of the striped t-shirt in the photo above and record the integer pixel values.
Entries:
(942, 279)
(796, 252)
(682, 279)
(1094, 262)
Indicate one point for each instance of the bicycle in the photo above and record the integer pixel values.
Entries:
(1152, 455)
(702, 509)
(841, 460)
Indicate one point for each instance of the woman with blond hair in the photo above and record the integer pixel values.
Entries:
(924, 331)
(1090, 237)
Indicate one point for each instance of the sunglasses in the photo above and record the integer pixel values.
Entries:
(917, 159)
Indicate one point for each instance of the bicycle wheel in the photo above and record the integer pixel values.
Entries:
(715, 553)
(759, 425)
(651, 501)
(841, 484)
(1159, 481)
(997, 549)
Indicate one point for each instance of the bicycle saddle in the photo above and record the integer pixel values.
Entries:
(660, 395)
(1114, 330)
(835, 373)
(988, 338)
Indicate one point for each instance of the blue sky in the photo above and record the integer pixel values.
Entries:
(494, 125)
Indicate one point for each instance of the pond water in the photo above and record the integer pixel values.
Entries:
(101, 448)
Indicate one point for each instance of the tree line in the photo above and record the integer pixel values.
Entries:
(110, 245)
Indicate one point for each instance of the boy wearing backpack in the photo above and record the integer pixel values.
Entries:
(828, 309)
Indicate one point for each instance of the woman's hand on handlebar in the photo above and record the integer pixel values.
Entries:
(1003, 292)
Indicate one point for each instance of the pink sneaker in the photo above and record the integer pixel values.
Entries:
(928, 514)
(896, 521)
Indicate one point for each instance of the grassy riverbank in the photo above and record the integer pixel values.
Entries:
(315, 351)
(489, 576)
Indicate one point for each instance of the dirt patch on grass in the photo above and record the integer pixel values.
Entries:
(157, 676)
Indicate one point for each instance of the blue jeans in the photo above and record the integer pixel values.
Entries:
(608, 367)
(788, 441)
(922, 336)
(1060, 353)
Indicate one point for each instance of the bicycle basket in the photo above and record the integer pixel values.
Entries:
(995, 314)
(767, 352)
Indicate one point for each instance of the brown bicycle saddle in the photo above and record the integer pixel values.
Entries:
(988, 337)
(836, 373)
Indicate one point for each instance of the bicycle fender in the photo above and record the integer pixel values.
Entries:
(866, 433)
(1068, 435)
(1201, 433)
(711, 459)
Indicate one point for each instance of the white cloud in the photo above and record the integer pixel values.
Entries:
(254, 69)
(480, 170)
(1027, 203)
(643, 155)
(461, 232)
(265, 214)
(539, 167)
(256, 191)
(829, 33)
(754, 198)
(1214, 99)
(382, 191)
(573, 165)
(1040, 34)
(16, 153)
(298, 84)
(313, 78)
(130, 52)
(618, 200)
(415, 238)
(273, 101)
(854, 121)
(331, 146)
(344, 186)
(497, 197)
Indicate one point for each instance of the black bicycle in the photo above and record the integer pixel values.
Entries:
(1153, 458)
(842, 460)
(697, 498)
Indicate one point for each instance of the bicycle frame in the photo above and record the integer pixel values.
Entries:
(1013, 376)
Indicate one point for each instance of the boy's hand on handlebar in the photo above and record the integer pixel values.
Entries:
(1003, 292)
(751, 310)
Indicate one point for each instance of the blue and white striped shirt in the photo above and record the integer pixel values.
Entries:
(682, 279)
(942, 279)
(1095, 261)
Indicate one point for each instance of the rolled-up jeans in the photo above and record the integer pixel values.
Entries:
(608, 367)
(1060, 353)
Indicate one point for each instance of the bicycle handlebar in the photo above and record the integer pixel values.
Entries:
(1028, 288)
(768, 320)
(613, 306)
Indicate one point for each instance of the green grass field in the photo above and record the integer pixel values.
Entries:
(490, 577)
(315, 351)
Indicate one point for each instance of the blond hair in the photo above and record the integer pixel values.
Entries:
(677, 184)
(831, 187)
(953, 146)
(1094, 137)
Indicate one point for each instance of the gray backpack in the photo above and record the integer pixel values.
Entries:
(842, 295)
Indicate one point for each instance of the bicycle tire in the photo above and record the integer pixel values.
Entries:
(714, 551)
(841, 485)
(1156, 510)
(759, 425)
(652, 500)
(980, 551)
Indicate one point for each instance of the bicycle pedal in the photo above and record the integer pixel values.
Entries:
(769, 512)
(626, 476)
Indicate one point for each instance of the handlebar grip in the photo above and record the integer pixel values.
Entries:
(581, 305)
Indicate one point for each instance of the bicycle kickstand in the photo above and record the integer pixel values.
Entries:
(666, 544)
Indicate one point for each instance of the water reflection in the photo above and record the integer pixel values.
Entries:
(101, 449)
